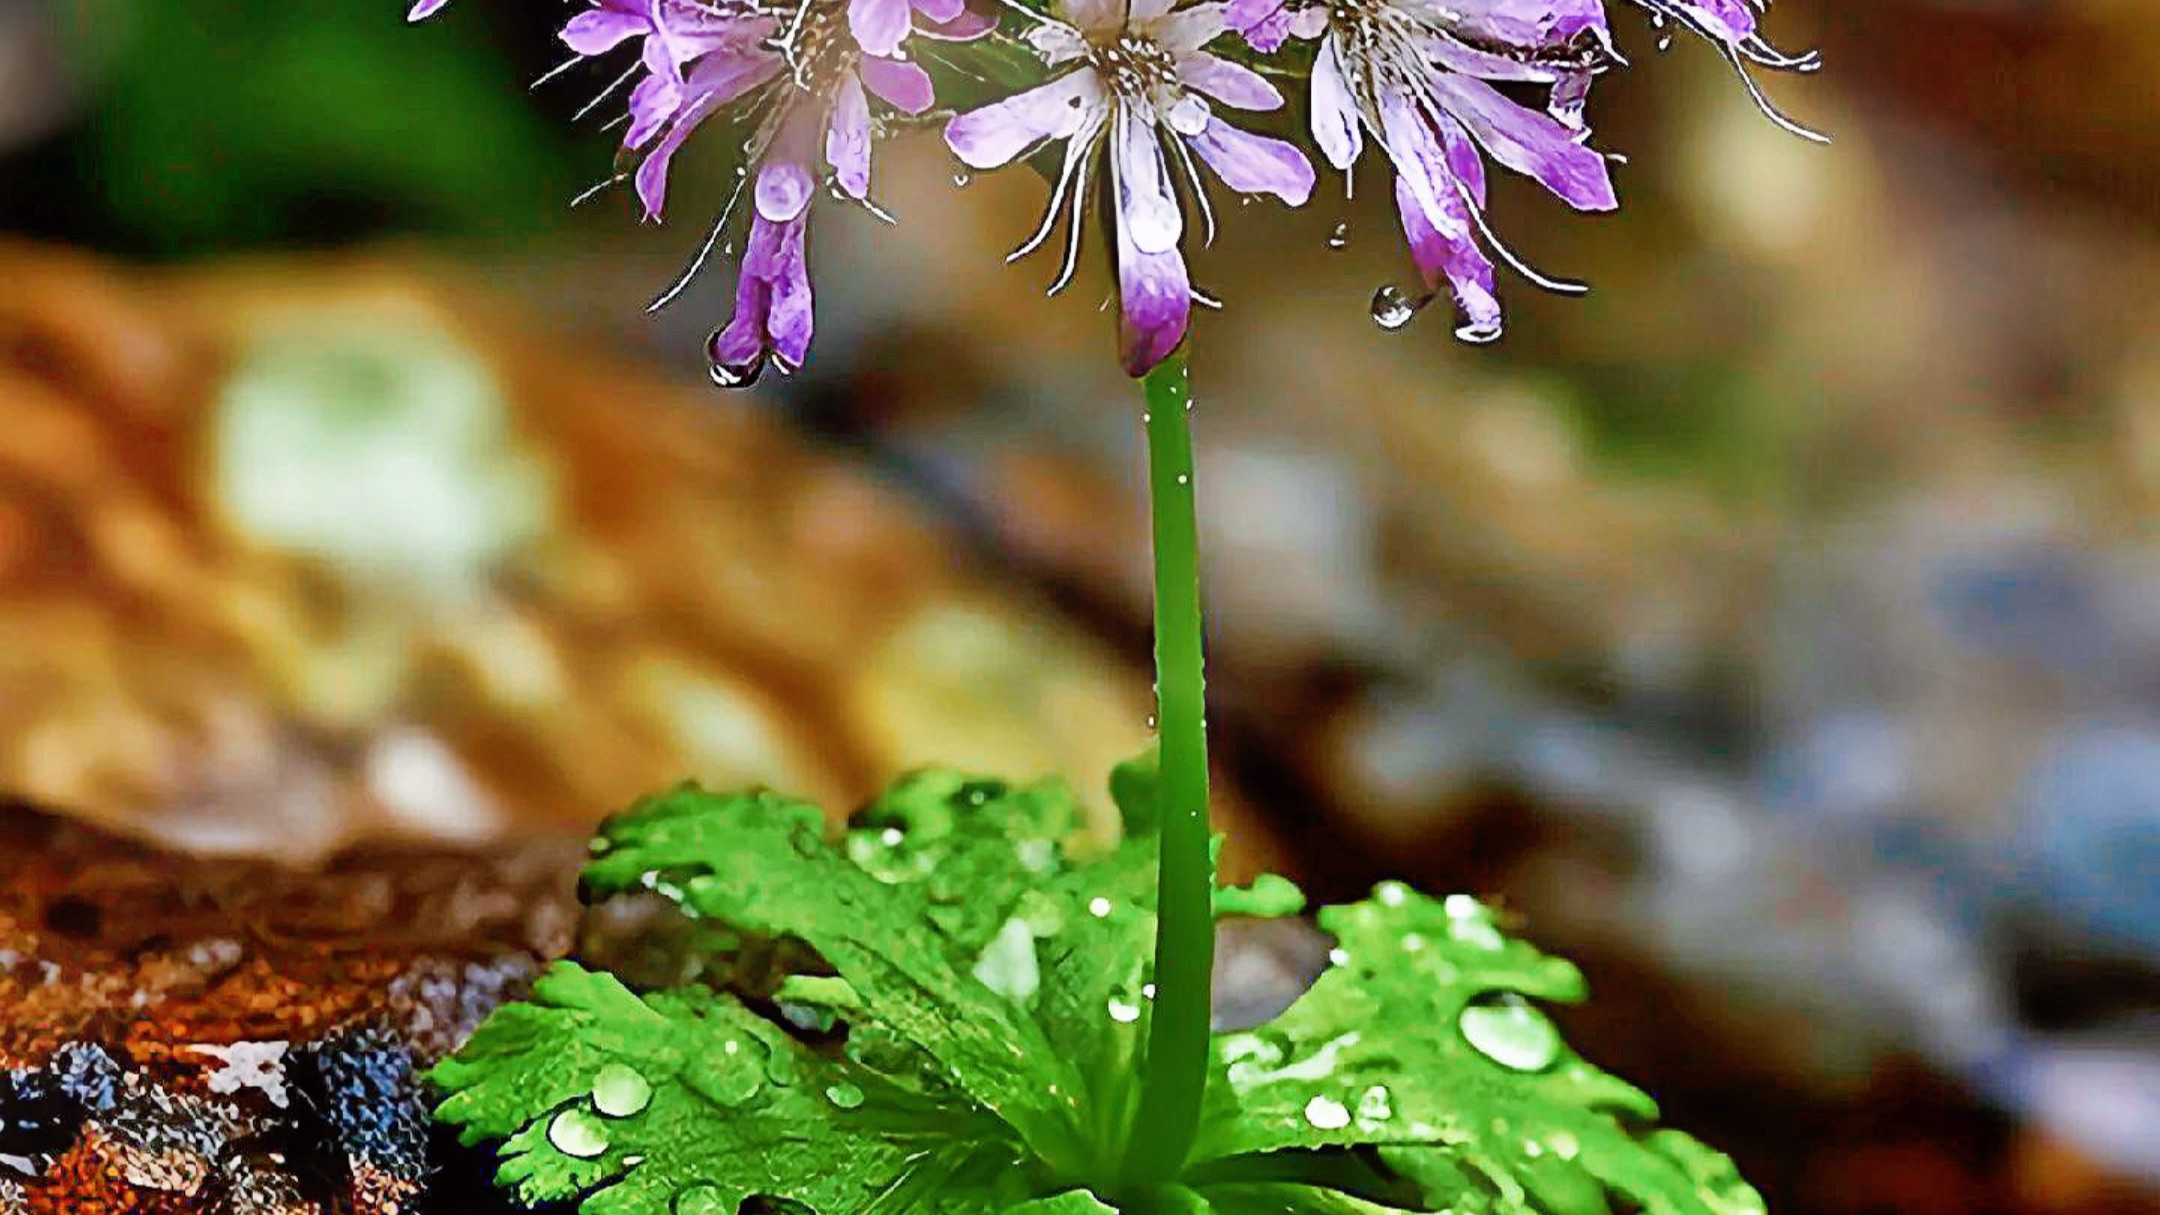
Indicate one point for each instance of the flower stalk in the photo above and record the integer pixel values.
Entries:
(1177, 1051)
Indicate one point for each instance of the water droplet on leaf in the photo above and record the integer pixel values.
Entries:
(844, 1095)
(1099, 907)
(1327, 1114)
(1123, 1012)
(1511, 1032)
(701, 1199)
(620, 1092)
(577, 1133)
(1374, 1106)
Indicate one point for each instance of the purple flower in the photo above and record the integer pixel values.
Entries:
(1137, 93)
(802, 82)
(1416, 76)
(1730, 26)
(424, 9)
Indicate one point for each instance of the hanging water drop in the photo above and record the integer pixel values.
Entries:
(961, 179)
(1479, 333)
(1339, 238)
(732, 373)
(1511, 1032)
(1327, 1114)
(701, 1199)
(844, 1095)
(577, 1133)
(620, 1092)
(1392, 309)
(1375, 1106)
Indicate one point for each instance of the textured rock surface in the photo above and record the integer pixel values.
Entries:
(234, 1037)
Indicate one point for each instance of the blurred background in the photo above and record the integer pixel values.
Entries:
(1776, 631)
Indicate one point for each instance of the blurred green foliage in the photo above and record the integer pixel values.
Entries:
(218, 124)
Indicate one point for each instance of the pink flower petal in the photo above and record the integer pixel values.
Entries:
(1255, 164)
(993, 135)
(1190, 28)
(1233, 84)
(783, 189)
(424, 9)
(940, 11)
(847, 138)
(906, 85)
(1456, 258)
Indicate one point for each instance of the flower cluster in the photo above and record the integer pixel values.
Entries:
(1138, 92)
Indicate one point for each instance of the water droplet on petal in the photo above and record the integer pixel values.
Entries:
(1392, 309)
(701, 1199)
(844, 1095)
(620, 1092)
(1511, 1032)
(732, 373)
(1340, 237)
(1479, 333)
(1327, 1114)
(577, 1133)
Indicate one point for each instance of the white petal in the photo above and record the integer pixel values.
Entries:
(995, 134)
(1146, 204)
(1335, 123)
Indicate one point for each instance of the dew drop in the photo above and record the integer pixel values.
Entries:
(1099, 907)
(1511, 1032)
(844, 1095)
(701, 1199)
(1124, 1013)
(961, 180)
(620, 1092)
(1152, 721)
(577, 1133)
(1184, 478)
(1327, 1114)
(1338, 957)
(732, 373)
(1340, 237)
(1479, 333)
(1375, 1106)
(1471, 922)
(1392, 309)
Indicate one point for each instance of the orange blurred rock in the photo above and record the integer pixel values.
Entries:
(297, 553)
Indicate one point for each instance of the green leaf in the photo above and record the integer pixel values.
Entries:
(1423, 1041)
(688, 1101)
(760, 863)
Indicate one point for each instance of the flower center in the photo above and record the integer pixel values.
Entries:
(815, 41)
(1133, 65)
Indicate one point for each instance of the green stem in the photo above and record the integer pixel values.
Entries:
(1176, 1068)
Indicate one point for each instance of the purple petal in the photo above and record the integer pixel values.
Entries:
(1255, 164)
(972, 23)
(1188, 29)
(1233, 84)
(424, 9)
(1406, 134)
(1336, 126)
(993, 135)
(652, 103)
(880, 26)
(1456, 258)
(940, 11)
(1529, 142)
(847, 138)
(1731, 20)
(1464, 161)
(596, 31)
(906, 85)
(783, 189)
(1141, 12)
(1154, 303)
(1264, 24)
(1148, 212)
(717, 80)
(791, 321)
